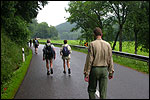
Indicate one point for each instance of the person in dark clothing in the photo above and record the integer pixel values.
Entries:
(30, 42)
(48, 55)
(36, 44)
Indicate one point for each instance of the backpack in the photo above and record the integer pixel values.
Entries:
(49, 51)
(65, 51)
(36, 43)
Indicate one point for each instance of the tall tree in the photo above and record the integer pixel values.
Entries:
(87, 15)
(144, 26)
(120, 10)
(15, 16)
(138, 24)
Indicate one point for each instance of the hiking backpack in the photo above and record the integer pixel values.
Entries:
(65, 51)
(36, 42)
(50, 53)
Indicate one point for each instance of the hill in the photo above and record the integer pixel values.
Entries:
(64, 31)
(64, 27)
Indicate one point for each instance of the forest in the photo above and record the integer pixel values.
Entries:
(15, 19)
(60, 32)
(119, 21)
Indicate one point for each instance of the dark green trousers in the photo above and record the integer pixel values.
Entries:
(98, 74)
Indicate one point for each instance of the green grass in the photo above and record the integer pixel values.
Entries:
(70, 42)
(132, 63)
(127, 47)
(12, 85)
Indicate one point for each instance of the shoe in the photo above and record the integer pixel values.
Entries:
(64, 72)
(51, 71)
(69, 72)
(48, 73)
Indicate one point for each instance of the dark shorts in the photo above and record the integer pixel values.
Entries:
(48, 57)
(36, 46)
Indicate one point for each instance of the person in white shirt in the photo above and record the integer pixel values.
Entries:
(65, 52)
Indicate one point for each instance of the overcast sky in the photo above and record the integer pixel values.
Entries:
(53, 13)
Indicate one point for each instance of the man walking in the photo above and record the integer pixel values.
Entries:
(49, 54)
(30, 42)
(65, 51)
(36, 44)
(99, 65)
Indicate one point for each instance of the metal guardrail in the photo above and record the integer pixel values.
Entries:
(134, 56)
(129, 55)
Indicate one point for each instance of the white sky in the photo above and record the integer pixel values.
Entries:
(53, 13)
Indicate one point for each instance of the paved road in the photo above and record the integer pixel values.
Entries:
(127, 83)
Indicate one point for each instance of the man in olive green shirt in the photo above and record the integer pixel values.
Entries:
(99, 65)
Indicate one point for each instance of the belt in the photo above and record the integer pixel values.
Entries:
(99, 66)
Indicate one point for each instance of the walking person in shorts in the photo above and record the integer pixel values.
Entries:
(65, 51)
(36, 44)
(48, 55)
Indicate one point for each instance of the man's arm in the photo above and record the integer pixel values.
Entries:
(89, 60)
(110, 63)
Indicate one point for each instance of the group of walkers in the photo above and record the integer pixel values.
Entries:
(35, 44)
(98, 66)
(49, 54)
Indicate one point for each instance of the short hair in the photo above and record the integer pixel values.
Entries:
(65, 41)
(97, 31)
(48, 41)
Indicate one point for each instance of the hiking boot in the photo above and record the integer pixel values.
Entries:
(69, 72)
(51, 71)
(64, 72)
(48, 73)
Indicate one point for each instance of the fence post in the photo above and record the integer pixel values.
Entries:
(23, 54)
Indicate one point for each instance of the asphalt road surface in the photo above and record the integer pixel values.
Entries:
(126, 84)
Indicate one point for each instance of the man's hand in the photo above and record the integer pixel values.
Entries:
(86, 79)
(110, 76)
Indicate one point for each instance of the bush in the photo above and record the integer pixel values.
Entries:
(11, 56)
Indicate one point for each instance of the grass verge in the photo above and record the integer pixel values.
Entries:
(137, 65)
(11, 87)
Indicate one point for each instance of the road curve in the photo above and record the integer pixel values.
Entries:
(126, 84)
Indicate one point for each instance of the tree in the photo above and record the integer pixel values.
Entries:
(32, 27)
(29, 9)
(138, 23)
(42, 30)
(15, 17)
(120, 10)
(87, 15)
(115, 16)
(53, 32)
(143, 37)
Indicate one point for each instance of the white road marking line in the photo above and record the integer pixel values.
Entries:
(97, 93)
